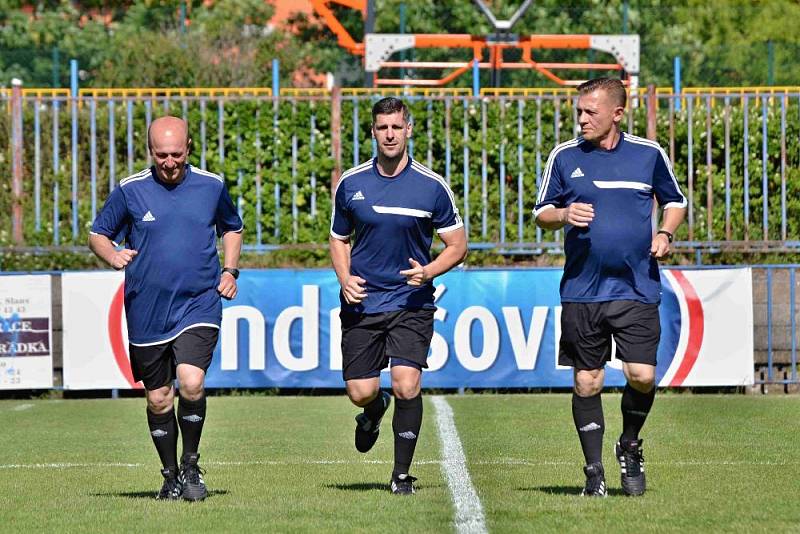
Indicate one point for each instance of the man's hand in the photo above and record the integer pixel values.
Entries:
(353, 289)
(578, 214)
(227, 286)
(121, 258)
(660, 246)
(416, 274)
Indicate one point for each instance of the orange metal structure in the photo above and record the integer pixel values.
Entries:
(377, 48)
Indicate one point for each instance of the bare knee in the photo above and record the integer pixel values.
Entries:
(363, 391)
(192, 390)
(192, 380)
(588, 383)
(161, 400)
(641, 377)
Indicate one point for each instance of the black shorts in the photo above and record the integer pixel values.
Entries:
(588, 327)
(369, 341)
(155, 365)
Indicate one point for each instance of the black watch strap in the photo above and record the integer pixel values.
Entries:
(235, 272)
(666, 233)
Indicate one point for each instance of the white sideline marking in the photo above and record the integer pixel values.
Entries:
(65, 465)
(501, 462)
(22, 407)
(469, 512)
(70, 465)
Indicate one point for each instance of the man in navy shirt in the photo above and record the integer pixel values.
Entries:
(392, 205)
(601, 187)
(169, 217)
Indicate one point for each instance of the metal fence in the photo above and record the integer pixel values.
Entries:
(736, 153)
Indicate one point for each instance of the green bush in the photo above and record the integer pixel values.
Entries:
(253, 150)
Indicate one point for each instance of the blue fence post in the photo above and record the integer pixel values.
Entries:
(476, 77)
(676, 84)
(73, 82)
(276, 81)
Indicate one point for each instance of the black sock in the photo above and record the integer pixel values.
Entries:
(635, 408)
(406, 423)
(587, 412)
(164, 431)
(375, 408)
(191, 416)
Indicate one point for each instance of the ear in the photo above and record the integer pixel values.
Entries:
(619, 113)
(409, 129)
(189, 146)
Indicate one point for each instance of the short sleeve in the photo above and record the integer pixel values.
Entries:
(551, 190)
(445, 217)
(665, 186)
(113, 221)
(341, 218)
(227, 218)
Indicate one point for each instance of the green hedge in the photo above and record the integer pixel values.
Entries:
(250, 121)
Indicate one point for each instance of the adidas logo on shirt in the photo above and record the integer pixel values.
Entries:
(148, 217)
(577, 173)
(358, 196)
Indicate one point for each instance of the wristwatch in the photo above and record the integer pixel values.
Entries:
(666, 233)
(235, 272)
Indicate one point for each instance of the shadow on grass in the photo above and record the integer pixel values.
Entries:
(359, 486)
(569, 490)
(148, 494)
(372, 486)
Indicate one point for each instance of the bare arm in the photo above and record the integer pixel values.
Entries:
(352, 286)
(576, 214)
(106, 251)
(673, 217)
(231, 249)
(455, 250)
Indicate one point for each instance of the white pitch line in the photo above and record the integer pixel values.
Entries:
(469, 512)
(71, 465)
(501, 462)
(22, 407)
(66, 465)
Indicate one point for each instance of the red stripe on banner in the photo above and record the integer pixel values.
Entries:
(696, 329)
(115, 336)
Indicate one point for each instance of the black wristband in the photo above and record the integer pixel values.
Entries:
(666, 233)
(235, 272)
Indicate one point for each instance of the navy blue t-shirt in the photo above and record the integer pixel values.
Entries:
(610, 259)
(393, 220)
(171, 284)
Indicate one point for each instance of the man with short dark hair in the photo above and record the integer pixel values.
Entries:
(169, 216)
(392, 204)
(600, 186)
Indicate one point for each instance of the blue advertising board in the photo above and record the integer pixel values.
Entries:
(494, 328)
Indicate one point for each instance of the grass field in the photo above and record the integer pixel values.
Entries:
(287, 464)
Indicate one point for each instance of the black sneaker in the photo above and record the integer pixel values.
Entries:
(367, 430)
(631, 463)
(402, 484)
(191, 478)
(595, 481)
(172, 489)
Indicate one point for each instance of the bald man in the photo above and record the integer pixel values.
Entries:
(169, 217)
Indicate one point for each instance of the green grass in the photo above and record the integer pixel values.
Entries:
(286, 464)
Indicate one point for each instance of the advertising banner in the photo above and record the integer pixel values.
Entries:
(493, 329)
(26, 358)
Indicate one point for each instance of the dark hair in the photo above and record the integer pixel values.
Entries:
(389, 105)
(612, 86)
